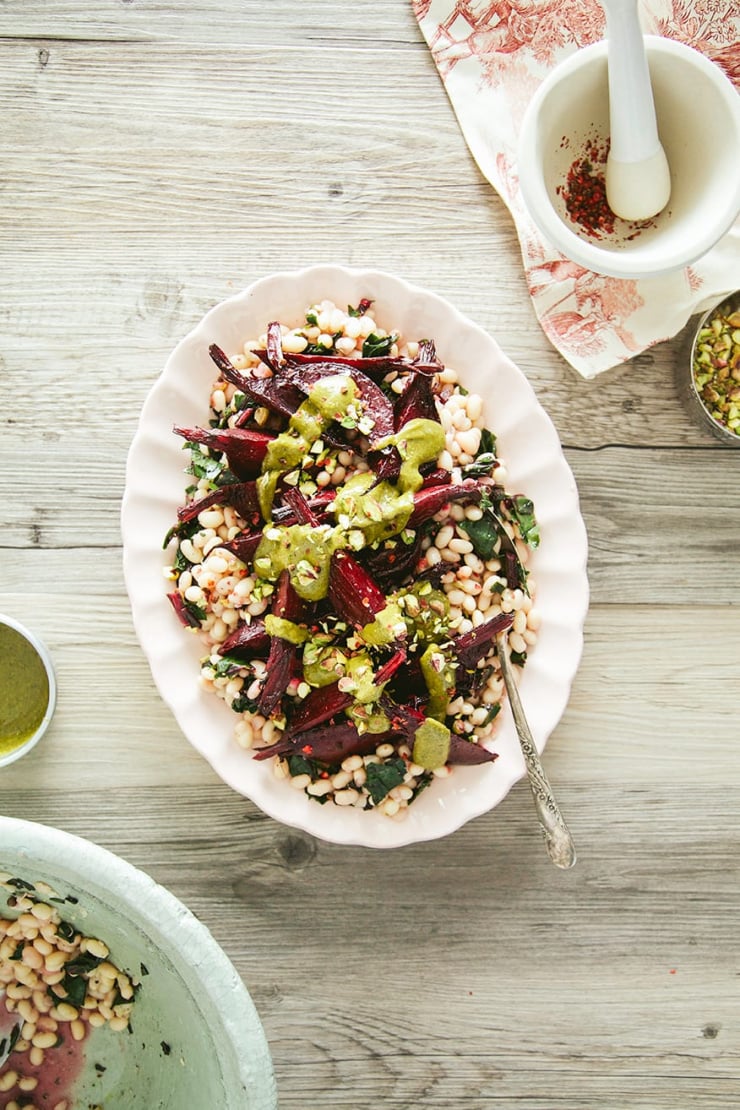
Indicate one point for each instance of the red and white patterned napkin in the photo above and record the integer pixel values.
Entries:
(491, 58)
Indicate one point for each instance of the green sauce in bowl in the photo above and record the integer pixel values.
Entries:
(26, 691)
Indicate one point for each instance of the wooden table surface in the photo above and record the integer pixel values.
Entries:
(156, 158)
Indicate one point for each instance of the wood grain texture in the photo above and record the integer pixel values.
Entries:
(157, 158)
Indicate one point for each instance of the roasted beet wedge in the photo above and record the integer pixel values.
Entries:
(281, 660)
(416, 401)
(328, 701)
(300, 507)
(184, 615)
(375, 368)
(283, 514)
(437, 477)
(467, 753)
(391, 564)
(429, 501)
(375, 404)
(242, 496)
(247, 641)
(353, 592)
(275, 345)
(470, 647)
(244, 449)
(280, 397)
(386, 463)
(427, 356)
(327, 745)
(243, 546)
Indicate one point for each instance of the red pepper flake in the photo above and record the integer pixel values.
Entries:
(584, 192)
(307, 749)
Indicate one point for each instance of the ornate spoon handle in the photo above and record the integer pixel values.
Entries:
(558, 840)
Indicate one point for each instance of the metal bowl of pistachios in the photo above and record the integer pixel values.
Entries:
(712, 390)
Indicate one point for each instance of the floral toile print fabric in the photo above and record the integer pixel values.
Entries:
(491, 58)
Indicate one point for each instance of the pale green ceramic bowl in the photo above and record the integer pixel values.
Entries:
(196, 1040)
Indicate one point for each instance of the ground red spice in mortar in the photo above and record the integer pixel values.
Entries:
(584, 192)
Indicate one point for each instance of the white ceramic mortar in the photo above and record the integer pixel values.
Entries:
(698, 113)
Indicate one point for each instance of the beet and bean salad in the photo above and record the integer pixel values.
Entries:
(348, 553)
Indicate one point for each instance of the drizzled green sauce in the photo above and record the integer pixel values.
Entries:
(24, 690)
(365, 511)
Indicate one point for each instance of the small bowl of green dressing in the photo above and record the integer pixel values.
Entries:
(27, 690)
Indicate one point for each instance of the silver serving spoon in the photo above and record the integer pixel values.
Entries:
(558, 840)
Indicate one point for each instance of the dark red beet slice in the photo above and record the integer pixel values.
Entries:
(242, 496)
(188, 619)
(281, 659)
(247, 641)
(465, 752)
(281, 397)
(416, 402)
(300, 506)
(471, 646)
(324, 703)
(329, 745)
(244, 449)
(353, 592)
(243, 546)
(375, 404)
(429, 501)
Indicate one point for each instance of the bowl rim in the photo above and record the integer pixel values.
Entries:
(43, 653)
(536, 197)
(160, 913)
(137, 552)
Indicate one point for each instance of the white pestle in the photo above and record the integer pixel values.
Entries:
(638, 180)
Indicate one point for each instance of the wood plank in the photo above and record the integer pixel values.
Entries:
(325, 26)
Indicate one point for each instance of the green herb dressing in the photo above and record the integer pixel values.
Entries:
(24, 690)
(417, 442)
(285, 629)
(366, 511)
(328, 400)
(439, 676)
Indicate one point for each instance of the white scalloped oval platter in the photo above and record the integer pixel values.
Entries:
(527, 444)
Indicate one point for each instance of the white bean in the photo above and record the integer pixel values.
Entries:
(534, 619)
(190, 551)
(462, 547)
(346, 797)
(295, 343)
(300, 782)
(475, 406)
(469, 441)
(443, 537)
(211, 518)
